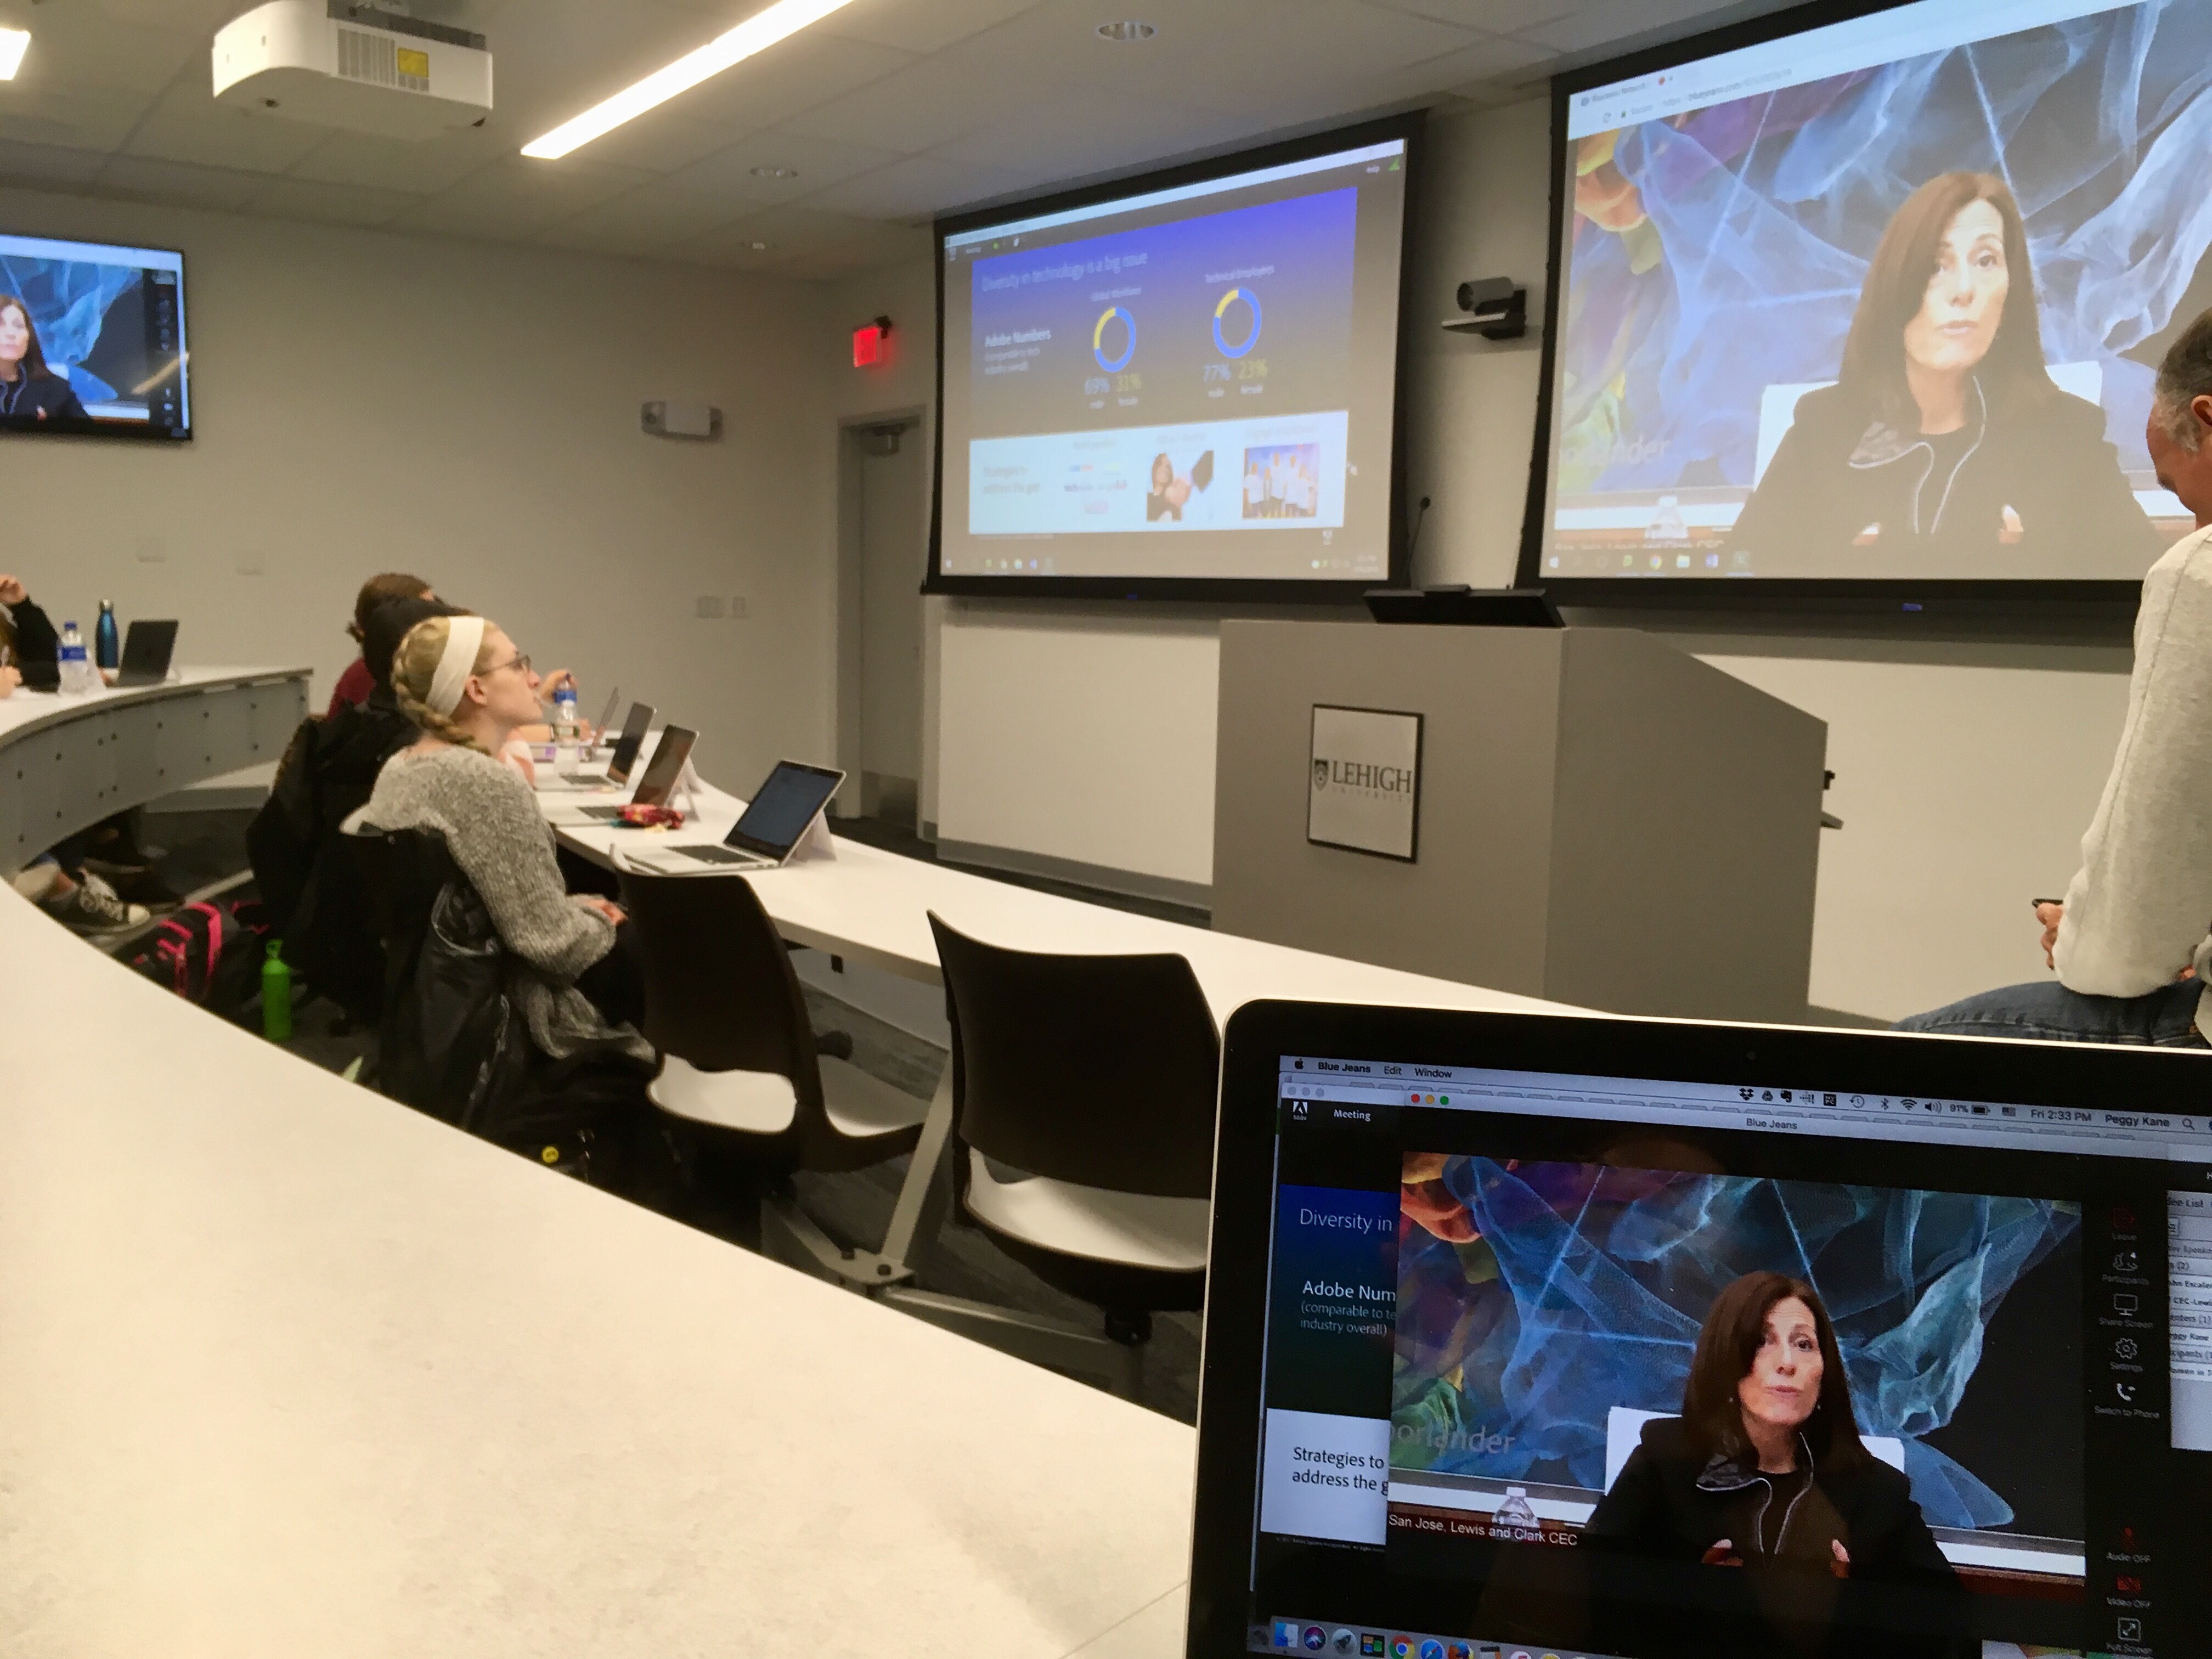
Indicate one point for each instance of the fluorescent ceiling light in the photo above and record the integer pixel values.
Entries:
(756, 33)
(13, 43)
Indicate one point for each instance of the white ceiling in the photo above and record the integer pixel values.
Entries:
(886, 112)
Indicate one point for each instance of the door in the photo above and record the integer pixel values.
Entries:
(893, 560)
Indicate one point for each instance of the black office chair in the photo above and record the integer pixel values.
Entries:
(740, 1063)
(453, 1043)
(1084, 1092)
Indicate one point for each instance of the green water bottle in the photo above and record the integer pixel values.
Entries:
(276, 995)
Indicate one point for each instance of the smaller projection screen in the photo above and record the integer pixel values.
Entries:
(92, 340)
(1184, 385)
(1870, 302)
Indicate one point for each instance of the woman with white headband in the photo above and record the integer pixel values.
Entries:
(466, 686)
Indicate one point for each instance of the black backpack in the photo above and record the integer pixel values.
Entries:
(209, 954)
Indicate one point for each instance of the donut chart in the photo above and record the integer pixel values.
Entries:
(1116, 365)
(1220, 343)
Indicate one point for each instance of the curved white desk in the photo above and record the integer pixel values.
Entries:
(287, 1369)
(67, 763)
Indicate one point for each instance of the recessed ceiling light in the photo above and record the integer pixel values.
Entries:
(756, 33)
(1131, 30)
(13, 43)
(758, 248)
(776, 173)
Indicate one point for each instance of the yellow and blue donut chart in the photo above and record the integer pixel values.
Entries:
(1251, 339)
(1113, 366)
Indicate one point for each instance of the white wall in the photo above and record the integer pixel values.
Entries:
(1965, 774)
(365, 402)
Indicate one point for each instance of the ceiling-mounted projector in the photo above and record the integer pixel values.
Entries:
(362, 67)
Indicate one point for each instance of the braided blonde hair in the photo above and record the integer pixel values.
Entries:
(415, 664)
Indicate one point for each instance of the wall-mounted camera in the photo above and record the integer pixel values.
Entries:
(1495, 308)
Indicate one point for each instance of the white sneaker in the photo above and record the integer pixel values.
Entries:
(92, 908)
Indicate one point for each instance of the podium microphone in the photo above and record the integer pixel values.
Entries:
(1420, 513)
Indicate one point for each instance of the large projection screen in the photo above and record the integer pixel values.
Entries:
(1182, 386)
(1867, 304)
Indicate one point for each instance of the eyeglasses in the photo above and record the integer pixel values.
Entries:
(521, 662)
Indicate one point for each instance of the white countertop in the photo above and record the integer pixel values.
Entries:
(24, 708)
(286, 1369)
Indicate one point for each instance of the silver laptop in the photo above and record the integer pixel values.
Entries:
(626, 746)
(660, 773)
(782, 810)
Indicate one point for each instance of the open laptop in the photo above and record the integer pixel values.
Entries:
(769, 831)
(660, 778)
(1461, 1267)
(147, 650)
(625, 756)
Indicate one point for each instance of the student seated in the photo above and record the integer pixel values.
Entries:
(359, 679)
(2129, 941)
(83, 903)
(30, 650)
(466, 689)
(302, 865)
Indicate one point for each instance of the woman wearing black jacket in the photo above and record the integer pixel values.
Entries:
(1943, 434)
(29, 391)
(1765, 1472)
(34, 648)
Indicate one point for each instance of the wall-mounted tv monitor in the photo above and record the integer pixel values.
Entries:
(92, 340)
(1181, 386)
(1867, 303)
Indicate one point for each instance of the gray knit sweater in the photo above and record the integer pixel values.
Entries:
(488, 816)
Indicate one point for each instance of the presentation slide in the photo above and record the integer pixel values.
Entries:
(1190, 382)
(1881, 300)
(91, 339)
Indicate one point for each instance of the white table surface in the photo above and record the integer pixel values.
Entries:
(24, 708)
(872, 907)
(286, 1369)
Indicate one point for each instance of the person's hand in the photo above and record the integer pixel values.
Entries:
(2050, 915)
(9, 679)
(606, 907)
(1841, 1566)
(12, 590)
(1721, 1554)
(551, 681)
(1178, 492)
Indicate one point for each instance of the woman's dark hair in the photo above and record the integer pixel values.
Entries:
(1729, 1343)
(34, 356)
(380, 591)
(1896, 287)
(388, 624)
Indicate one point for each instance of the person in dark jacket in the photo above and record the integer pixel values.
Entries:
(1944, 437)
(302, 867)
(1764, 1471)
(29, 391)
(34, 649)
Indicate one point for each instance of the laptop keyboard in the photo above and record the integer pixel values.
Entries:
(720, 855)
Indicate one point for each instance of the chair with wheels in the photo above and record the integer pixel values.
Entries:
(742, 1068)
(1084, 1092)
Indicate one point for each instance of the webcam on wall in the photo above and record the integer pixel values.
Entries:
(1496, 309)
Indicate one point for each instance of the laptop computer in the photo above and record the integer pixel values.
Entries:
(660, 773)
(146, 649)
(1503, 1311)
(769, 831)
(640, 722)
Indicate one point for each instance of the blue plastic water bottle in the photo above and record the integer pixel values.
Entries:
(106, 649)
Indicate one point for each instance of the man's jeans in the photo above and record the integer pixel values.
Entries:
(2047, 1011)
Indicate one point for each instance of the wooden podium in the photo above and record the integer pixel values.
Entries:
(1596, 817)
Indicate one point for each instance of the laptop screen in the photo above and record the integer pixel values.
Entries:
(666, 766)
(782, 807)
(632, 739)
(1574, 1364)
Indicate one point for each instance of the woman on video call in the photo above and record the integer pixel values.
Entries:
(1943, 416)
(29, 391)
(1765, 1470)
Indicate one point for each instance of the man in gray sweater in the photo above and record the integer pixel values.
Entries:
(2129, 941)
